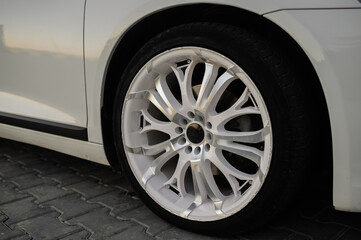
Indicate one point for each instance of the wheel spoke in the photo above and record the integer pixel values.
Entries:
(234, 184)
(248, 152)
(188, 211)
(154, 97)
(166, 149)
(231, 173)
(151, 150)
(166, 95)
(200, 190)
(185, 84)
(222, 118)
(157, 164)
(209, 78)
(212, 188)
(205, 186)
(227, 169)
(243, 137)
(178, 176)
(218, 89)
(152, 124)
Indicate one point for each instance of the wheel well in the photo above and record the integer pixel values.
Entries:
(154, 24)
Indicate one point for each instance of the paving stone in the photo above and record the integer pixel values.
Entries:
(6, 232)
(8, 150)
(28, 162)
(86, 209)
(341, 218)
(46, 154)
(76, 236)
(3, 217)
(135, 233)
(102, 223)
(307, 227)
(71, 206)
(21, 155)
(47, 227)
(118, 201)
(55, 157)
(106, 175)
(311, 210)
(177, 233)
(23, 209)
(90, 188)
(28, 180)
(351, 234)
(65, 177)
(142, 214)
(24, 237)
(46, 168)
(125, 184)
(8, 193)
(5, 161)
(13, 171)
(47, 192)
(267, 233)
(299, 237)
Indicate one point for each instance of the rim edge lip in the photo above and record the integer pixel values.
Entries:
(247, 81)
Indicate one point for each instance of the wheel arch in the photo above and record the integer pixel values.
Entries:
(154, 24)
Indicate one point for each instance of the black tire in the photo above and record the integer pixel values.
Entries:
(277, 81)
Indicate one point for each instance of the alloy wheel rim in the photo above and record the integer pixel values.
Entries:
(196, 133)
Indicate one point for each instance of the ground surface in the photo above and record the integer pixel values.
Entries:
(48, 195)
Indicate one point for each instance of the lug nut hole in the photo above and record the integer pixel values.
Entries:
(207, 147)
(199, 118)
(190, 114)
(197, 150)
(179, 130)
(182, 141)
(183, 122)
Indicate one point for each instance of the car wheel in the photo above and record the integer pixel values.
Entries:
(211, 128)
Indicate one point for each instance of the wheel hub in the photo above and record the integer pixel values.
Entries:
(195, 133)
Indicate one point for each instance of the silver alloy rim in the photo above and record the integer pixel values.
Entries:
(196, 133)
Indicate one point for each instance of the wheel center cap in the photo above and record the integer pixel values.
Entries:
(195, 133)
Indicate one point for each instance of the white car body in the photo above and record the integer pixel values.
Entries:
(54, 58)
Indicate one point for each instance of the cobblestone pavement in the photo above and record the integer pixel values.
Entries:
(48, 195)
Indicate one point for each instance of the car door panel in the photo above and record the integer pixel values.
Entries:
(41, 60)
